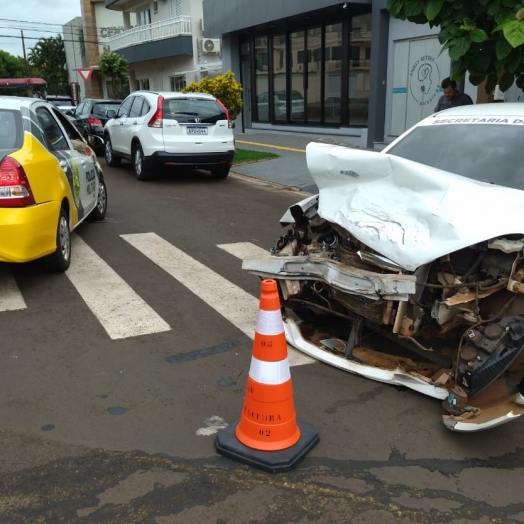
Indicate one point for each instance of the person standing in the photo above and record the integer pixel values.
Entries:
(452, 96)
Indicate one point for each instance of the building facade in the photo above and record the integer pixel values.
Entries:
(329, 66)
(162, 41)
(165, 49)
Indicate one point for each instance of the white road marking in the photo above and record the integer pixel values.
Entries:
(10, 297)
(118, 308)
(233, 303)
(243, 250)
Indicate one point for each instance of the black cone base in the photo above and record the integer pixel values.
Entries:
(229, 446)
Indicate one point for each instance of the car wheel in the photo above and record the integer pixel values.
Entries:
(111, 159)
(142, 170)
(99, 212)
(61, 258)
(220, 171)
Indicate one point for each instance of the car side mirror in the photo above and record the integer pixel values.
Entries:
(110, 113)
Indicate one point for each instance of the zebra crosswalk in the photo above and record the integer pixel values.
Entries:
(124, 314)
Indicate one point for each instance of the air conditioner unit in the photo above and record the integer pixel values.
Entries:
(210, 45)
(106, 48)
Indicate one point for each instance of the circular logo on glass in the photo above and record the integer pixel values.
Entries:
(424, 80)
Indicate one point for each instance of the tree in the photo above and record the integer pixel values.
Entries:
(11, 66)
(224, 87)
(484, 38)
(113, 65)
(48, 60)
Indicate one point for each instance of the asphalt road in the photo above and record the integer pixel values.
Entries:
(108, 413)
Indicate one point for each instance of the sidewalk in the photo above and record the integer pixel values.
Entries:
(290, 167)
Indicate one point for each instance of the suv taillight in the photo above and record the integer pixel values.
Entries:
(94, 122)
(157, 118)
(15, 190)
(229, 121)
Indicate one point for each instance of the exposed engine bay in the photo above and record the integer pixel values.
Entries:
(451, 327)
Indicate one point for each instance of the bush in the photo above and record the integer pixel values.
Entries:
(224, 87)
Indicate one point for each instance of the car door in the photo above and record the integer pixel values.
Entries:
(64, 142)
(118, 131)
(134, 122)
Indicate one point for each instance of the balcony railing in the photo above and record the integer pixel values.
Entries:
(181, 25)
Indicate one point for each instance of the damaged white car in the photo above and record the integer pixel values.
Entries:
(408, 266)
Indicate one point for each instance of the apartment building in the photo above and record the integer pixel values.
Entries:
(162, 40)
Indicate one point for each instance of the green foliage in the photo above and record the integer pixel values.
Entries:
(11, 66)
(48, 61)
(113, 65)
(223, 87)
(484, 38)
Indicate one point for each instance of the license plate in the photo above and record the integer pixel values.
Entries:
(196, 130)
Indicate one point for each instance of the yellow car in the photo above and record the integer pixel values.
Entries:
(50, 182)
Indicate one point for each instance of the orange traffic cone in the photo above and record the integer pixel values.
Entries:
(268, 435)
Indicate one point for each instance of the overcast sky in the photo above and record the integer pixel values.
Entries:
(37, 18)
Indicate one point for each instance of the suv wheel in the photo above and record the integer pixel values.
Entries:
(220, 171)
(142, 170)
(111, 159)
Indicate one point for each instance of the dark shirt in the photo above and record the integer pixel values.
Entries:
(460, 100)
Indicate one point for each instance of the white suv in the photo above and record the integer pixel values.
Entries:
(154, 128)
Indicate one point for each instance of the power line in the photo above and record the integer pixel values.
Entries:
(63, 40)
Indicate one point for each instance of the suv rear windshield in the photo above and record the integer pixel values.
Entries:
(11, 132)
(101, 108)
(187, 109)
(57, 102)
(485, 152)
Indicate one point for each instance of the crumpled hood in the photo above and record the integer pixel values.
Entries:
(406, 211)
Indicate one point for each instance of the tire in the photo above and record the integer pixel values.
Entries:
(111, 159)
(59, 260)
(220, 171)
(140, 167)
(99, 212)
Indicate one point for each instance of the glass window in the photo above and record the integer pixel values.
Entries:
(301, 59)
(314, 75)
(125, 107)
(136, 108)
(143, 83)
(177, 82)
(261, 79)
(333, 78)
(11, 131)
(359, 68)
(101, 109)
(485, 152)
(279, 78)
(54, 137)
(70, 129)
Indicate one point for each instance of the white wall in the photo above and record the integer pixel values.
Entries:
(415, 71)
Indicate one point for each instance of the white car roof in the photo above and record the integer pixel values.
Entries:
(16, 102)
(500, 109)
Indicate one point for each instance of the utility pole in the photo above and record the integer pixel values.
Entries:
(27, 72)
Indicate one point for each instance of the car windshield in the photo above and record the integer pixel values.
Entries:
(58, 103)
(11, 133)
(487, 153)
(208, 111)
(101, 109)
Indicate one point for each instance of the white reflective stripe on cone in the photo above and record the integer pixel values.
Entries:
(269, 322)
(271, 373)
